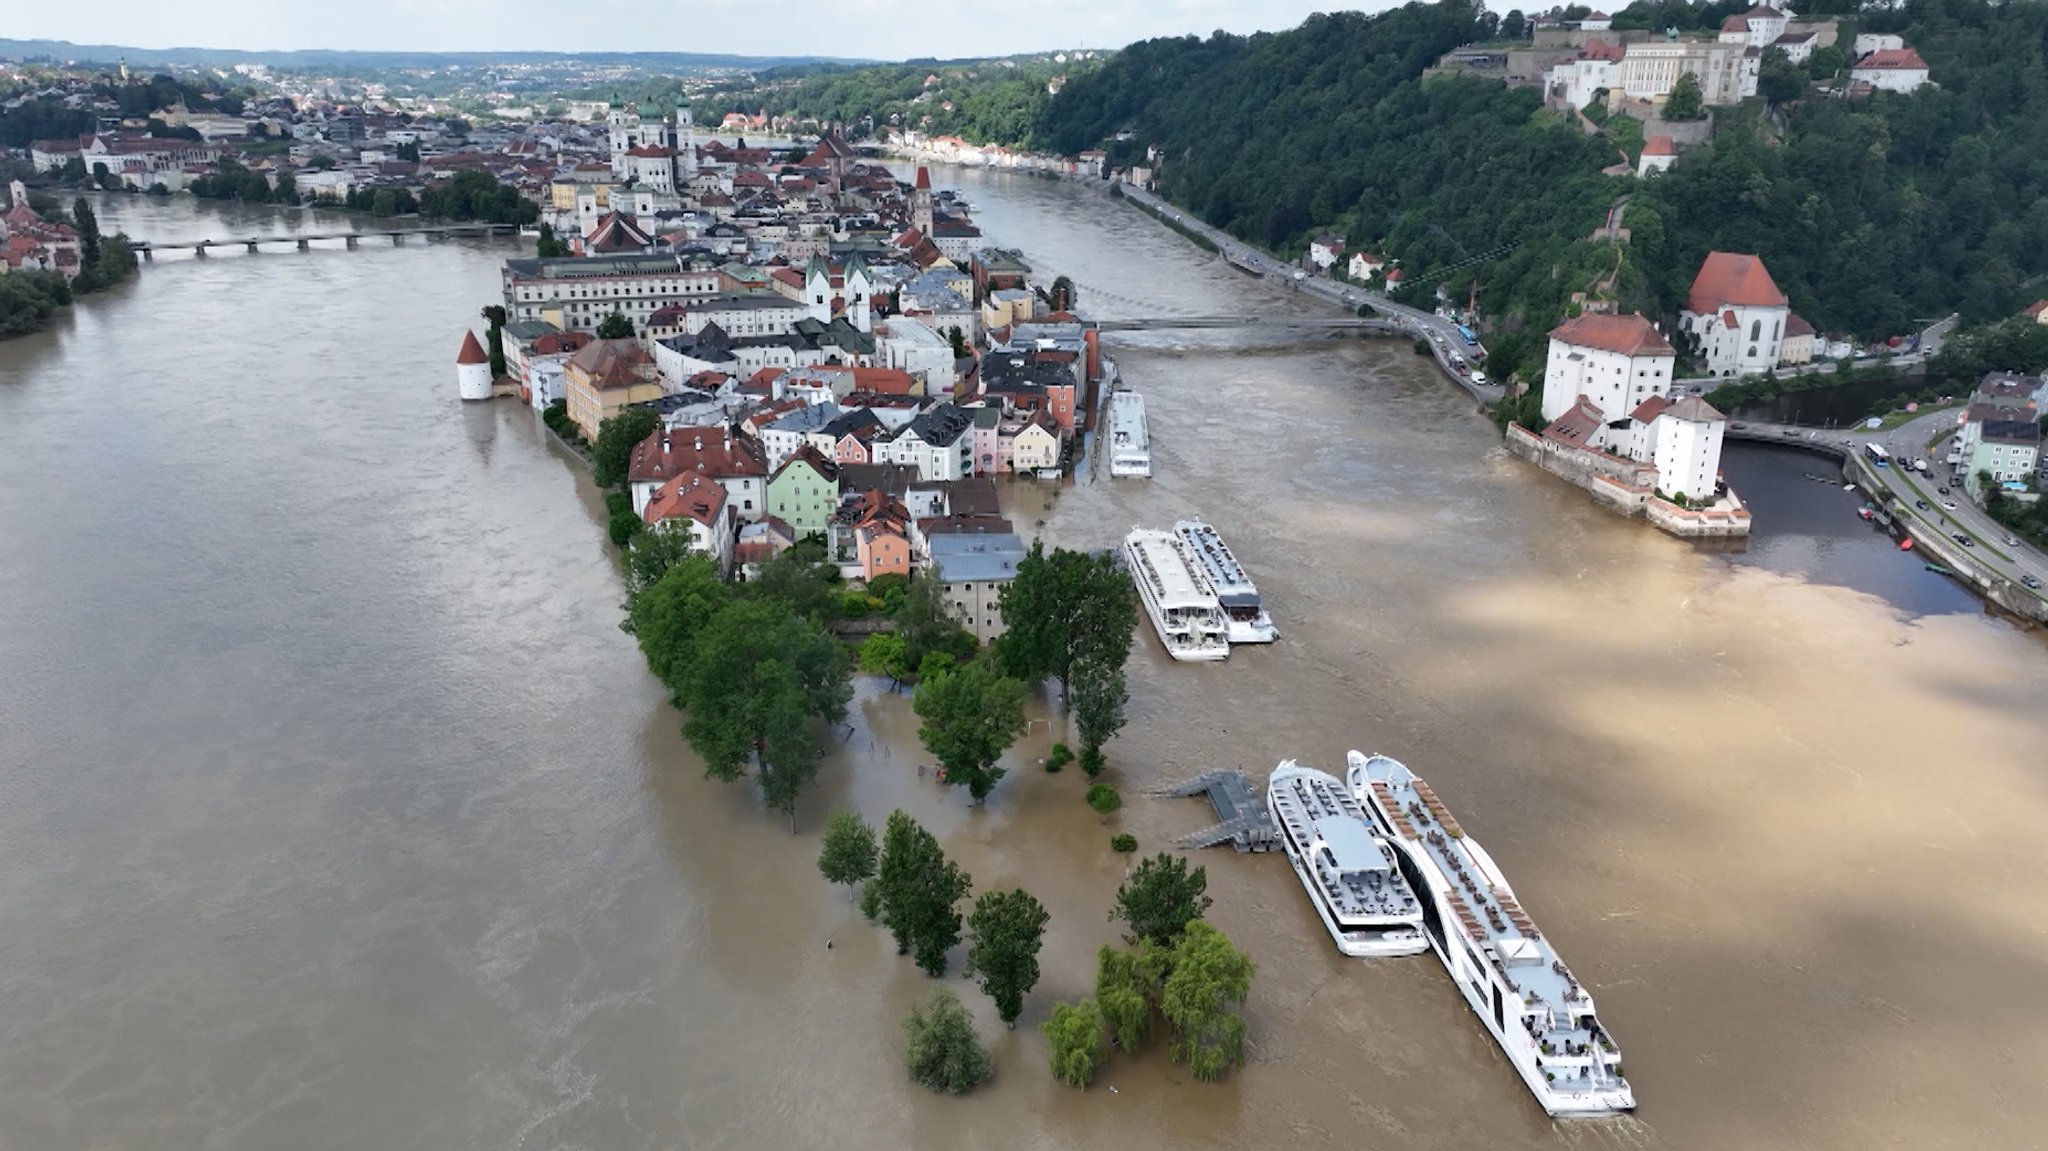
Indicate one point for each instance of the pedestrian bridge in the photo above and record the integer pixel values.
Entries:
(305, 240)
(1291, 323)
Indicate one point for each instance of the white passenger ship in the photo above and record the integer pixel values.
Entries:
(1538, 1013)
(1184, 611)
(1235, 593)
(1130, 445)
(1348, 872)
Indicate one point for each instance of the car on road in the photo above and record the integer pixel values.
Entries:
(1479, 377)
(1966, 541)
(1922, 505)
(1792, 433)
(1737, 425)
(2031, 582)
(2012, 542)
(1948, 505)
(1943, 491)
(1847, 442)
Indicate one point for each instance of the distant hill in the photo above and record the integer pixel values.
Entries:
(1874, 215)
(376, 61)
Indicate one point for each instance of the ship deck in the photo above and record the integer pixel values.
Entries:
(1162, 565)
(1480, 897)
(1358, 876)
(1233, 585)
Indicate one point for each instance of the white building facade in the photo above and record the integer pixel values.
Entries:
(1737, 314)
(1617, 362)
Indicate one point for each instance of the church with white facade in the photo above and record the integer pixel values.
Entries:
(1737, 314)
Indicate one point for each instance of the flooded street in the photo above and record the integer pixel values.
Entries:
(335, 811)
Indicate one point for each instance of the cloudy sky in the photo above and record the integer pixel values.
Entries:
(873, 29)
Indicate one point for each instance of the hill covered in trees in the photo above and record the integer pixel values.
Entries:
(1870, 212)
(997, 101)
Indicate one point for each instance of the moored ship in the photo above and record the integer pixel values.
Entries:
(1348, 872)
(1505, 968)
(1184, 611)
(1130, 442)
(1248, 619)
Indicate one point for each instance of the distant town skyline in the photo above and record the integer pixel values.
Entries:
(866, 29)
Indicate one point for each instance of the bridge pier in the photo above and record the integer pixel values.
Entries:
(398, 239)
(305, 244)
(148, 254)
(252, 247)
(199, 249)
(350, 241)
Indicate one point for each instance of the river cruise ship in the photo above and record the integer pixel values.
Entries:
(1348, 872)
(1235, 593)
(1130, 444)
(1506, 969)
(1184, 611)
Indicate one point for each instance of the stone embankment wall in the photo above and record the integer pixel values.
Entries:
(1629, 488)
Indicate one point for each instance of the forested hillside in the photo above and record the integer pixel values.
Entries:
(984, 101)
(1871, 213)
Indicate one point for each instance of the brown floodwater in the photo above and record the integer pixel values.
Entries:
(335, 811)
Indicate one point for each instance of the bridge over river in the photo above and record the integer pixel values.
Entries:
(1291, 323)
(304, 241)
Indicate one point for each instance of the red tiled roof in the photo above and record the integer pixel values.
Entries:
(472, 352)
(1735, 24)
(1796, 325)
(1659, 146)
(1577, 425)
(691, 494)
(664, 455)
(2036, 308)
(1649, 409)
(1629, 335)
(1601, 50)
(1893, 60)
(1732, 279)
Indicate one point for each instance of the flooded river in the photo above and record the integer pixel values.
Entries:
(335, 812)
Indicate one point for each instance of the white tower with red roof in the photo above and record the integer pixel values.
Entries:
(472, 369)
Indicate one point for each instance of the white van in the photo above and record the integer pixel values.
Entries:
(1478, 377)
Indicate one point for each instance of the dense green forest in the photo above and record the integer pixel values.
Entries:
(1871, 213)
(983, 101)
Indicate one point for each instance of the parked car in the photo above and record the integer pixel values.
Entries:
(1479, 377)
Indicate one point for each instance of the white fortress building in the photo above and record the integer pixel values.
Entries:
(1607, 389)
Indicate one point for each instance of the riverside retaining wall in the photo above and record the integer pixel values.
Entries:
(1629, 488)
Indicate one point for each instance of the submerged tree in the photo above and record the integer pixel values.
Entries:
(1074, 1036)
(848, 854)
(1005, 932)
(1209, 981)
(941, 1048)
(971, 716)
(1160, 898)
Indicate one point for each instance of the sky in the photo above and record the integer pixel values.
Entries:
(867, 29)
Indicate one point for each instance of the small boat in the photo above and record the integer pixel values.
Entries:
(1866, 512)
(1906, 545)
(1848, 487)
(1937, 569)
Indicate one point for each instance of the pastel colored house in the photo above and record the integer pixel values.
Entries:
(804, 490)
